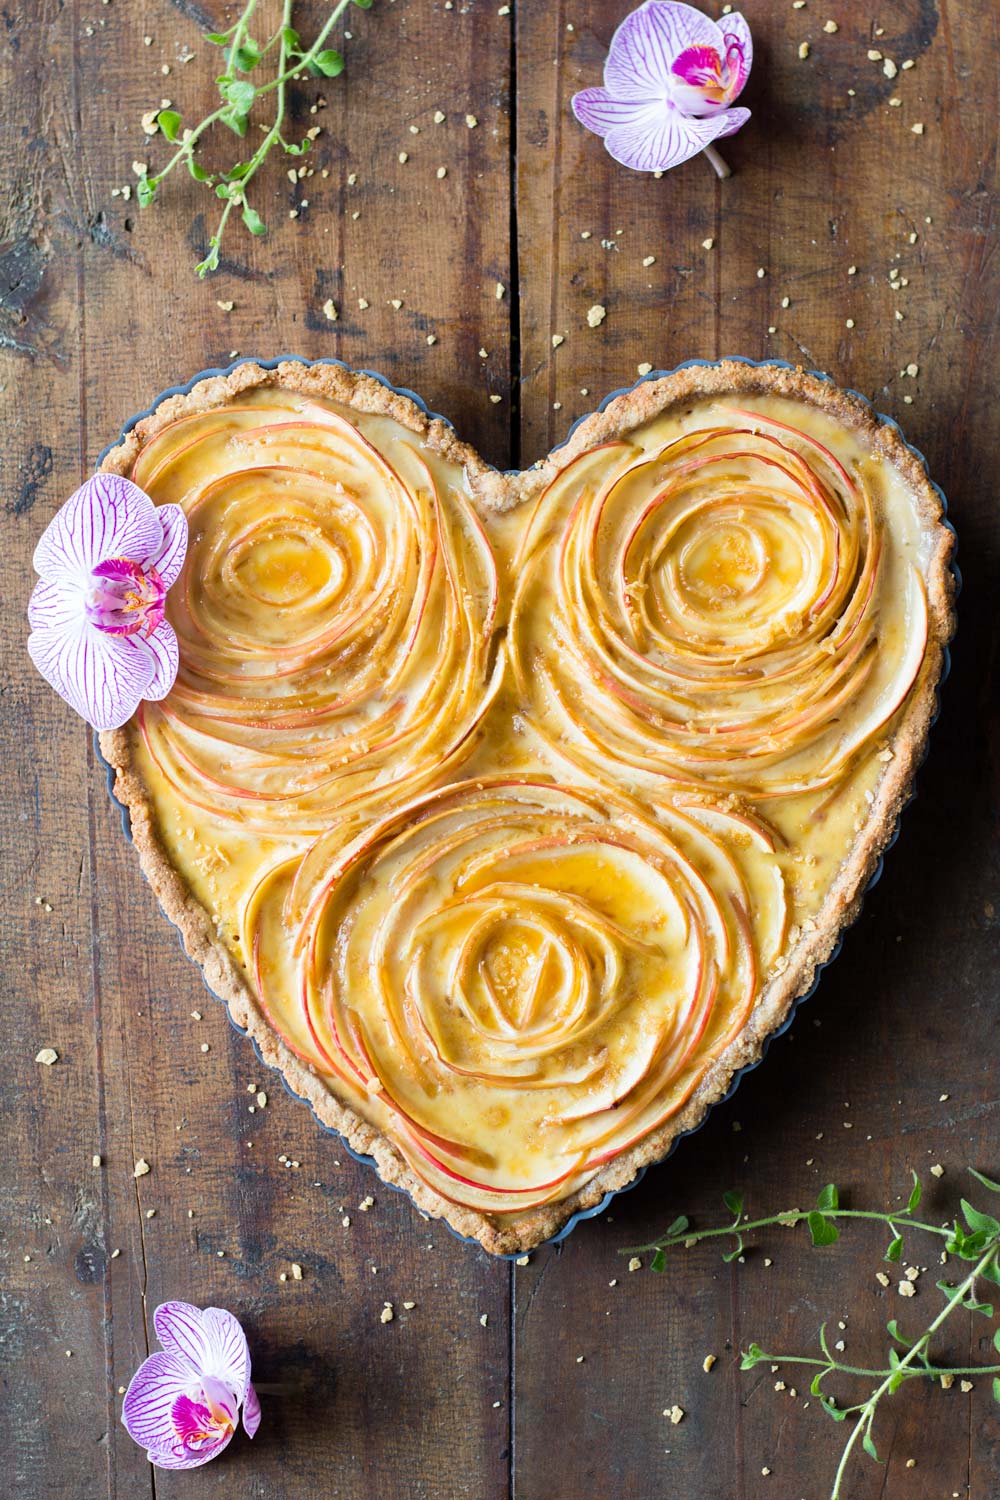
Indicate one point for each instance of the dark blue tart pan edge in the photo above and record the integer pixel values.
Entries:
(369, 1161)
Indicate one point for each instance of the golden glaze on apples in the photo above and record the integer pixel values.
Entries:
(510, 817)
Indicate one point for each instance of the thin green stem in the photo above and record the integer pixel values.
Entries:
(307, 57)
(868, 1409)
(836, 1367)
(788, 1220)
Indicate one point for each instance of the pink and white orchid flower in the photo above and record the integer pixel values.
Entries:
(99, 636)
(670, 78)
(183, 1405)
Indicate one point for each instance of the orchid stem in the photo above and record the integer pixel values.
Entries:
(721, 168)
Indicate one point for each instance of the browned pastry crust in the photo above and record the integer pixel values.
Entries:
(502, 491)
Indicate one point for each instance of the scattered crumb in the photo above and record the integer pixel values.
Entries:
(965, 1386)
(522, 1260)
(141, 1167)
(635, 1264)
(649, 260)
(675, 1413)
(95, 1160)
(937, 1170)
(707, 244)
(907, 1289)
(803, 50)
(596, 315)
(442, 172)
(386, 1315)
(366, 1204)
(881, 1278)
(557, 339)
(708, 1362)
(500, 289)
(471, 121)
(830, 27)
(404, 157)
(47, 1056)
(917, 129)
(643, 369)
(483, 1318)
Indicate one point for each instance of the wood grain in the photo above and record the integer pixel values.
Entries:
(561, 1393)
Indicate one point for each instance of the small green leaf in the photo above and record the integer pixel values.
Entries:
(363, 4)
(895, 1249)
(197, 172)
(734, 1202)
(169, 122)
(217, 38)
(753, 1356)
(247, 56)
(814, 1384)
(996, 1387)
(291, 149)
(893, 1328)
(238, 171)
(680, 1224)
(659, 1262)
(291, 38)
(329, 63)
(730, 1255)
(868, 1445)
(253, 221)
(822, 1231)
(235, 121)
(991, 1272)
(996, 1341)
(915, 1194)
(829, 1198)
(832, 1409)
(238, 93)
(211, 261)
(979, 1221)
(145, 191)
(987, 1182)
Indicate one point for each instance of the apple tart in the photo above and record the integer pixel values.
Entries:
(511, 814)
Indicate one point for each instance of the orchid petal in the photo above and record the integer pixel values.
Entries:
(596, 109)
(738, 51)
(108, 516)
(251, 1411)
(223, 1403)
(103, 677)
(645, 44)
(162, 646)
(170, 558)
(147, 1409)
(671, 138)
(180, 1457)
(211, 1340)
(56, 605)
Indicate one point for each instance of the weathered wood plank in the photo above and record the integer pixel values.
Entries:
(823, 180)
(353, 1407)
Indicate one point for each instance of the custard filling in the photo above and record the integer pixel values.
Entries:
(510, 818)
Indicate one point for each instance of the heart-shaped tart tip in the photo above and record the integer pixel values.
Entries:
(512, 814)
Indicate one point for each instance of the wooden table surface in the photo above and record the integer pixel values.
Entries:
(548, 1381)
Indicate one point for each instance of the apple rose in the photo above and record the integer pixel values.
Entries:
(334, 617)
(520, 978)
(712, 610)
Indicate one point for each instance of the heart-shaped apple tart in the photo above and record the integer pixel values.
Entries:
(510, 814)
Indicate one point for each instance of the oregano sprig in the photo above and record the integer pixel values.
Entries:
(239, 93)
(973, 1238)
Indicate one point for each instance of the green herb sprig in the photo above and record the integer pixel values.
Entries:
(973, 1238)
(239, 92)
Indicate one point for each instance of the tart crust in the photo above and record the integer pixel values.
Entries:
(228, 980)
